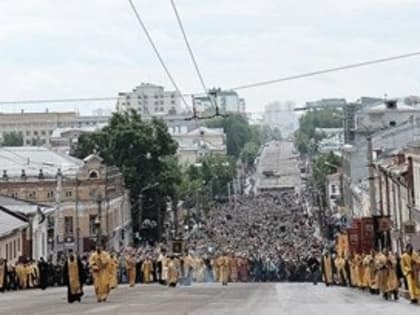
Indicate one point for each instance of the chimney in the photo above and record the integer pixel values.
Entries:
(23, 174)
(5, 176)
(41, 174)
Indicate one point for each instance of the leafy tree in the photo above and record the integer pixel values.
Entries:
(237, 129)
(145, 153)
(214, 171)
(12, 139)
(324, 164)
(249, 153)
(308, 122)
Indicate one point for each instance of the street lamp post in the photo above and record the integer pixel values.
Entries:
(98, 222)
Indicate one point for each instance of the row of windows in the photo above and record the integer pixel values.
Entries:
(33, 194)
(12, 249)
(37, 133)
(69, 225)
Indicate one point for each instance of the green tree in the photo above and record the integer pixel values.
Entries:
(249, 153)
(215, 171)
(145, 153)
(324, 164)
(308, 122)
(12, 139)
(237, 129)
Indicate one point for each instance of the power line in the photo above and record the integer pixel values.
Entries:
(328, 70)
(146, 32)
(197, 69)
(187, 43)
(240, 87)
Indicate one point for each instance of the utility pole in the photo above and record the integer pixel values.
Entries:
(99, 223)
(372, 192)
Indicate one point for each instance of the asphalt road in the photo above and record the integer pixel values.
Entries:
(203, 299)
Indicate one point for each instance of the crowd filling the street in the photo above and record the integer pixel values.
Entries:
(268, 238)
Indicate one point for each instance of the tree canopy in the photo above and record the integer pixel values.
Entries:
(318, 118)
(12, 139)
(145, 153)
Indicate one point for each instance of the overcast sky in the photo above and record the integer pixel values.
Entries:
(90, 48)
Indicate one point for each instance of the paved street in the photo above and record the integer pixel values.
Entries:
(260, 299)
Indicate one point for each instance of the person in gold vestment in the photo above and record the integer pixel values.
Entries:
(73, 277)
(173, 271)
(113, 272)
(147, 269)
(98, 262)
(409, 265)
(223, 264)
(130, 265)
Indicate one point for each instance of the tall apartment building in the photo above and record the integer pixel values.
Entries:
(36, 128)
(150, 100)
(281, 115)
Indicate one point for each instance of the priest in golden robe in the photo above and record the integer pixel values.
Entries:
(382, 272)
(98, 262)
(73, 277)
(327, 269)
(22, 275)
(3, 273)
(173, 271)
(409, 265)
(393, 281)
(130, 265)
(113, 272)
(340, 265)
(147, 270)
(223, 265)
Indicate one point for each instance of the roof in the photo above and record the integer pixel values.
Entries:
(58, 133)
(21, 206)
(400, 107)
(32, 159)
(8, 223)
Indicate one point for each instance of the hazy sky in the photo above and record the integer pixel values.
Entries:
(89, 48)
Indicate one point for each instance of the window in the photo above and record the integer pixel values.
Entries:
(68, 225)
(14, 195)
(69, 194)
(28, 142)
(32, 195)
(43, 141)
(7, 251)
(10, 250)
(14, 249)
(28, 133)
(92, 226)
(50, 194)
(50, 132)
(333, 189)
(18, 246)
(43, 132)
(35, 133)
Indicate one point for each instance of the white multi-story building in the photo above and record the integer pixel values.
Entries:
(150, 100)
(228, 102)
(36, 128)
(194, 144)
(281, 115)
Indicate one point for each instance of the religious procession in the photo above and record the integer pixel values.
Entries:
(384, 273)
(269, 238)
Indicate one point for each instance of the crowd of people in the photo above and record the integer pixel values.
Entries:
(378, 272)
(264, 238)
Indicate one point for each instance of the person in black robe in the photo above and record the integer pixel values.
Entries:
(74, 287)
(43, 273)
(3, 275)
